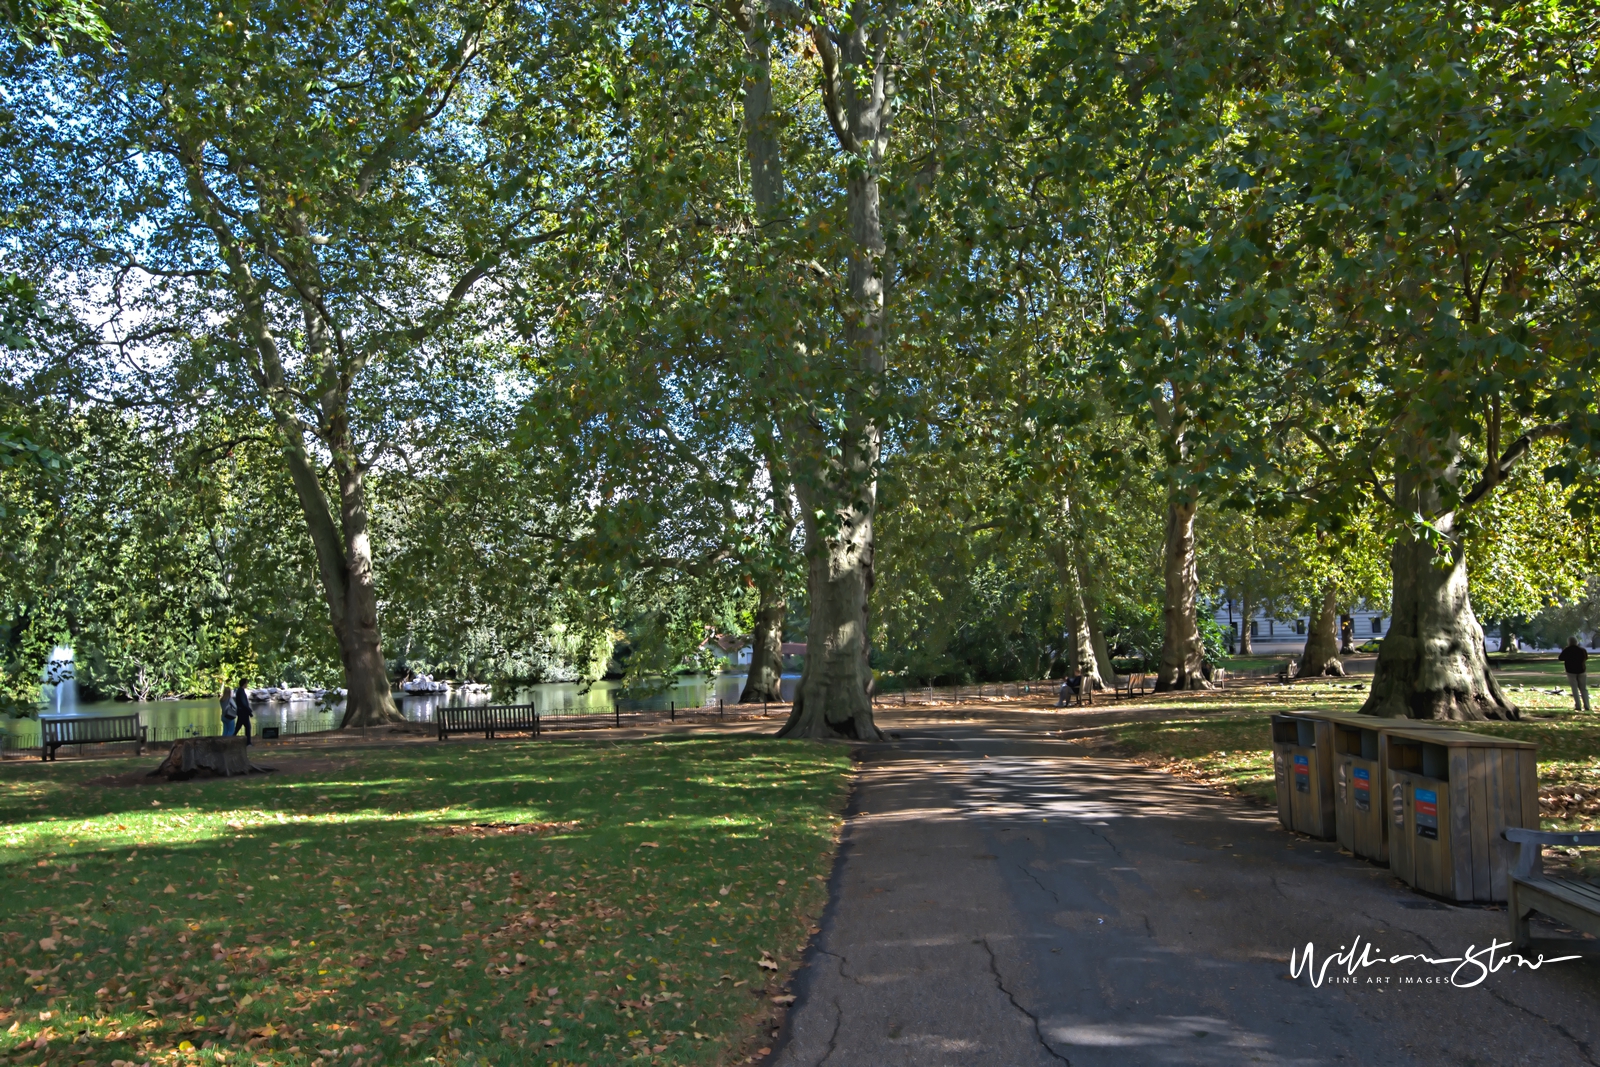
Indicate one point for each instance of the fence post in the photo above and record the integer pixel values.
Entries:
(616, 710)
(673, 705)
(719, 708)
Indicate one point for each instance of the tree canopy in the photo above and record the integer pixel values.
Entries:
(533, 341)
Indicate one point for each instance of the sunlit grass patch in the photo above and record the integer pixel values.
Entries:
(508, 903)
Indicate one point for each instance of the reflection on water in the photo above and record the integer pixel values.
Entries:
(168, 720)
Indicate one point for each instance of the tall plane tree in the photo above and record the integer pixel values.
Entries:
(751, 240)
(282, 209)
(1421, 194)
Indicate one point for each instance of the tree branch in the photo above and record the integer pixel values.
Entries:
(1496, 471)
(830, 84)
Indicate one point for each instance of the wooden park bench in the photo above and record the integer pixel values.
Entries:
(1567, 900)
(487, 719)
(1123, 684)
(58, 730)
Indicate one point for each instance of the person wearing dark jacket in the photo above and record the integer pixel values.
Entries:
(1575, 658)
(241, 707)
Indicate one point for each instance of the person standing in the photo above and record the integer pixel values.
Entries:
(1575, 658)
(241, 707)
(230, 714)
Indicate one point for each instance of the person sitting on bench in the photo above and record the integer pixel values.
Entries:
(1072, 689)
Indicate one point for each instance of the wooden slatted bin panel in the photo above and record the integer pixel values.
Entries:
(1360, 822)
(1358, 791)
(1302, 760)
(1450, 795)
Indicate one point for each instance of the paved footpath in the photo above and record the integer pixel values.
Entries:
(1011, 902)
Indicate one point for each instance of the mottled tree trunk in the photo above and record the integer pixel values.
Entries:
(1106, 668)
(1181, 653)
(1321, 654)
(1079, 635)
(344, 562)
(764, 681)
(1247, 614)
(838, 485)
(1103, 671)
(1508, 636)
(834, 697)
(1347, 635)
(370, 700)
(1080, 640)
(1433, 663)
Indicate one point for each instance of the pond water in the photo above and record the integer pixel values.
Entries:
(168, 720)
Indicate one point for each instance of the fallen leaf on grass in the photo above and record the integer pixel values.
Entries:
(649, 844)
(767, 963)
(787, 998)
(48, 944)
(498, 829)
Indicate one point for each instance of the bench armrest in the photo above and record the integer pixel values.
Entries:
(1529, 859)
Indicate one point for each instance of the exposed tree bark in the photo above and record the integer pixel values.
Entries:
(1247, 613)
(1181, 652)
(1321, 654)
(1080, 639)
(1102, 651)
(1508, 637)
(370, 699)
(211, 756)
(834, 696)
(764, 681)
(1105, 671)
(1347, 636)
(1433, 664)
(761, 142)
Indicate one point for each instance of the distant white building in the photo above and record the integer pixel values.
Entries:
(1279, 632)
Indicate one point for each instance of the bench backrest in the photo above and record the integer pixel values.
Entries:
(470, 716)
(89, 729)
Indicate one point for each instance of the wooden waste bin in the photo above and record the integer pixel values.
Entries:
(1302, 765)
(1450, 794)
(1360, 821)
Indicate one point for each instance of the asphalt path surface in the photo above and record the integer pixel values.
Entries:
(1000, 900)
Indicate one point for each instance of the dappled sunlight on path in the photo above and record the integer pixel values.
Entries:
(1004, 898)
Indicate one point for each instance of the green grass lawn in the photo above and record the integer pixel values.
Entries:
(644, 907)
(1228, 745)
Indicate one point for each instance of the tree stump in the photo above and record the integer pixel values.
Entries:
(218, 756)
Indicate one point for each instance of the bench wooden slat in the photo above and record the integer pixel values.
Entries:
(1569, 888)
(1567, 900)
(58, 730)
(487, 719)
